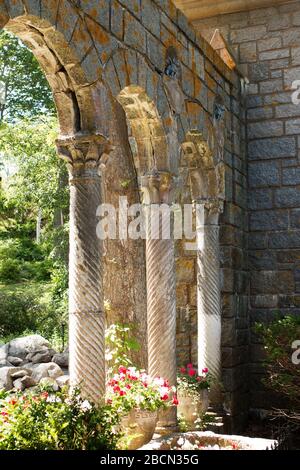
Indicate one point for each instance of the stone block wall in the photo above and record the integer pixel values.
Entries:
(266, 44)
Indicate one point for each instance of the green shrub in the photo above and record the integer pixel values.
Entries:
(35, 270)
(21, 260)
(18, 313)
(10, 270)
(283, 376)
(48, 421)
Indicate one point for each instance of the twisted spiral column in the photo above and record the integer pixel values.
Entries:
(161, 290)
(208, 287)
(86, 312)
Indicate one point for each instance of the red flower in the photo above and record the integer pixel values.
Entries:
(145, 384)
(183, 370)
(192, 372)
(4, 413)
(190, 366)
(199, 379)
(132, 377)
(165, 397)
(122, 393)
(205, 370)
(113, 382)
(13, 402)
(128, 387)
(175, 401)
(116, 388)
(122, 370)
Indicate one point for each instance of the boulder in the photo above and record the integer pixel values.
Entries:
(15, 361)
(4, 355)
(41, 356)
(61, 359)
(63, 381)
(6, 380)
(20, 347)
(50, 369)
(21, 373)
(49, 382)
(24, 382)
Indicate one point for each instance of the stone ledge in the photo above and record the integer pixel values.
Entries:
(209, 439)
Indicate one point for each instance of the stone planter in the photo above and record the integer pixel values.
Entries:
(138, 428)
(191, 407)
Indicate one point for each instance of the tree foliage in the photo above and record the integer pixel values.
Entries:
(24, 89)
(34, 187)
(40, 178)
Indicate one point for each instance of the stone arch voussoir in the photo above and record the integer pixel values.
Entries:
(61, 41)
(140, 90)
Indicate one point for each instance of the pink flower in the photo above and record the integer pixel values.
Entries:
(4, 413)
(190, 366)
(205, 370)
(199, 379)
(183, 370)
(192, 372)
(128, 386)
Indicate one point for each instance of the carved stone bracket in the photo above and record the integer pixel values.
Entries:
(84, 153)
(209, 210)
(157, 188)
(206, 170)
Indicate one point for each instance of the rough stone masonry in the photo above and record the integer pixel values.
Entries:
(266, 45)
(133, 81)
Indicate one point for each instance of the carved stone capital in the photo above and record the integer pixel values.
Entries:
(208, 210)
(157, 188)
(84, 153)
(197, 153)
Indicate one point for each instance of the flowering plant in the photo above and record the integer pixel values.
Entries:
(42, 420)
(132, 388)
(189, 381)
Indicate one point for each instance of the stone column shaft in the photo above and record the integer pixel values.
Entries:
(208, 287)
(86, 313)
(161, 291)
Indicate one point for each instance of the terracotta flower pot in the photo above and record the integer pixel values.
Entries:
(192, 406)
(138, 428)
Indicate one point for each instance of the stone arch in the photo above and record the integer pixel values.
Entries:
(51, 36)
(147, 136)
(58, 37)
(140, 90)
(131, 89)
